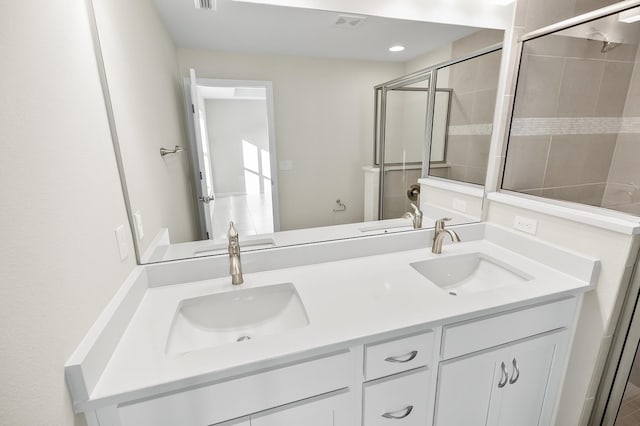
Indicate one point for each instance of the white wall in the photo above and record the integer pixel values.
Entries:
(60, 201)
(229, 123)
(324, 124)
(148, 105)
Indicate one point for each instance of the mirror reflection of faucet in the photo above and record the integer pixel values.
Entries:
(416, 216)
(235, 266)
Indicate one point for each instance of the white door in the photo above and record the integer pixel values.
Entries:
(206, 195)
(465, 388)
(530, 370)
(330, 411)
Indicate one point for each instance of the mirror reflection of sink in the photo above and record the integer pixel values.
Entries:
(235, 316)
(469, 273)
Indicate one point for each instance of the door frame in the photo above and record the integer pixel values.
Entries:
(273, 157)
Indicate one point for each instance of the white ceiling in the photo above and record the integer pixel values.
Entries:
(247, 27)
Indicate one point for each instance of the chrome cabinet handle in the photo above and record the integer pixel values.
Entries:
(505, 376)
(395, 414)
(516, 372)
(402, 358)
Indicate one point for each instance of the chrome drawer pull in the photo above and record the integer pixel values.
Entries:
(395, 414)
(516, 372)
(402, 358)
(505, 376)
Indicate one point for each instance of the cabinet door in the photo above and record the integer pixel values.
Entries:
(530, 393)
(328, 411)
(465, 388)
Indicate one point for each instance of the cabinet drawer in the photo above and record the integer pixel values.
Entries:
(245, 395)
(406, 353)
(400, 400)
(474, 335)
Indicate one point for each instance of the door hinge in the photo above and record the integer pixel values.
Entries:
(193, 109)
(205, 198)
(208, 236)
(200, 175)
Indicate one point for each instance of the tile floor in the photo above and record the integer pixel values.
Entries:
(251, 213)
(629, 414)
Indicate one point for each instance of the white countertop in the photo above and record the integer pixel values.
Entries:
(348, 302)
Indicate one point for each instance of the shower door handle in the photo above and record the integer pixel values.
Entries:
(205, 198)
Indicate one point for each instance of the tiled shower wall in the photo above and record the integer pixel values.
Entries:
(622, 191)
(567, 139)
(474, 85)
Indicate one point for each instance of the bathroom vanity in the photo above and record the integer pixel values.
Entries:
(385, 333)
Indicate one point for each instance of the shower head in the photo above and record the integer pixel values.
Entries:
(607, 45)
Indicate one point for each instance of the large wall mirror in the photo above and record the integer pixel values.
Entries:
(269, 116)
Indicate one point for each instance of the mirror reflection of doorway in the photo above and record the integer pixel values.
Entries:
(238, 156)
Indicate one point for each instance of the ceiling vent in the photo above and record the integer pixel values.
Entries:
(205, 4)
(348, 21)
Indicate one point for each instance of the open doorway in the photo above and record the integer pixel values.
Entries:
(234, 142)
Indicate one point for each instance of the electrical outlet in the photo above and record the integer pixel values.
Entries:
(525, 224)
(123, 242)
(137, 218)
(459, 205)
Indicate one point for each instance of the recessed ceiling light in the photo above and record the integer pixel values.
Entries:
(396, 48)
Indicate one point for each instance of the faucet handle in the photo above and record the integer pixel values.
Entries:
(440, 223)
(416, 209)
(232, 234)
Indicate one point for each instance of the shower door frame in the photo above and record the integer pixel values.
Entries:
(380, 124)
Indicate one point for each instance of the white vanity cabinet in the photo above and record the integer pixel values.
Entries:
(514, 383)
(331, 410)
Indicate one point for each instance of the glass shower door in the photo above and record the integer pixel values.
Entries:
(402, 134)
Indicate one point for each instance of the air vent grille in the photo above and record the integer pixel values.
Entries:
(348, 21)
(205, 4)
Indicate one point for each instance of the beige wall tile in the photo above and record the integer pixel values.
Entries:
(551, 45)
(457, 149)
(579, 89)
(579, 159)
(475, 175)
(584, 194)
(526, 162)
(625, 52)
(584, 6)
(461, 108)
(612, 95)
(484, 105)
(547, 12)
(632, 107)
(478, 154)
(539, 85)
(476, 41)
(625, 168)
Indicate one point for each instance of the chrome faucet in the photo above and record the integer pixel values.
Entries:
(439, 234)
(416, 216)
(235, 267)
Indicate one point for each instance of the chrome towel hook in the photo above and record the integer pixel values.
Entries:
(165, 151)
(341, 206)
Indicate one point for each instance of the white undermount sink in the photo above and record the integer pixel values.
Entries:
(469, 273)
(235, 316)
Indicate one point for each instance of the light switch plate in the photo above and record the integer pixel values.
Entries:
(137, 218)
(525, 224)
(286, 165)
(123, 242)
